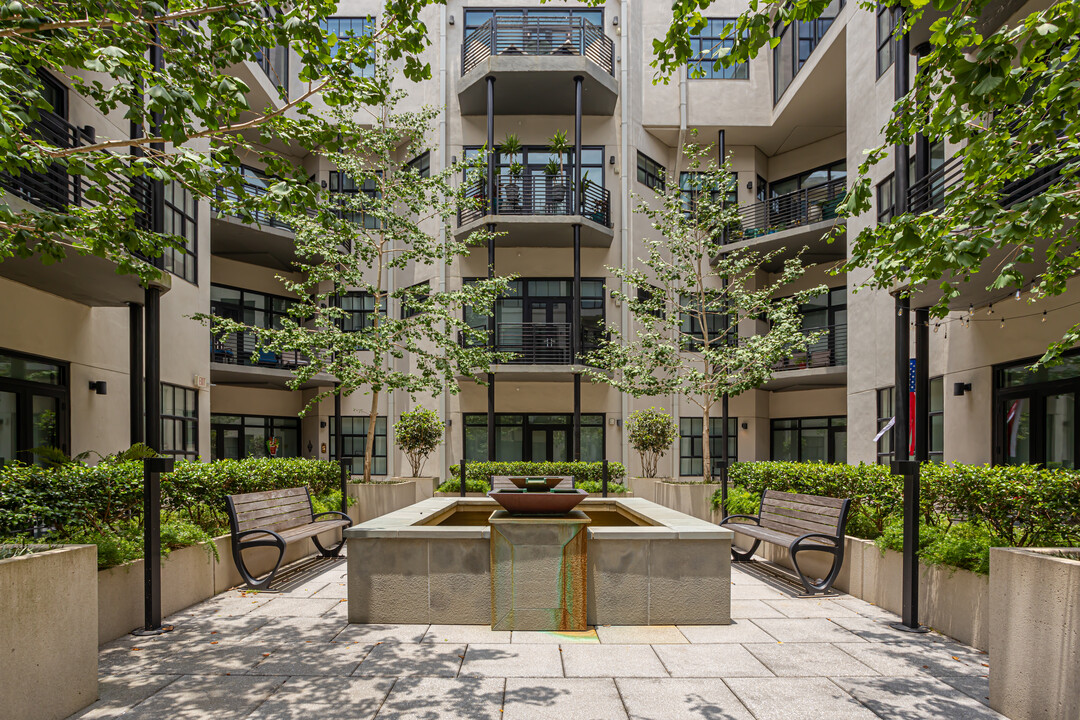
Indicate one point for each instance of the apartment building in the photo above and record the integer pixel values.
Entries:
(794, 121)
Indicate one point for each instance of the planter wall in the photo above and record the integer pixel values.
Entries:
(1035, 640)
(643, 487)
(952, 601)
(694, 499)
(48, 633)
(425, 486)
(377, 499)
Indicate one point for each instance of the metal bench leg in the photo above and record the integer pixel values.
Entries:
(739, 556)
(250, 581)
(823, 587)
(330, 552)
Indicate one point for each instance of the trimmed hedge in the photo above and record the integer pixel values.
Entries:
(965, 509)
(587, 475)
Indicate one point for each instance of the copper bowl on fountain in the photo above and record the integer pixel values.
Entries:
(537, 496)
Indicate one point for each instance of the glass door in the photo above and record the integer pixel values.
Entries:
(9, 437)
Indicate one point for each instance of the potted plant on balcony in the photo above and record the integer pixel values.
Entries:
(558, 146)
(511, 149)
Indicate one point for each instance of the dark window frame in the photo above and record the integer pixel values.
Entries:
(885, 398)
(421, 164)
(178, 222)
(269, 423)
(936, 446)
(594, 420)
(886, 192)
(24, 390)
(1035, 393)
(367, 23)
(339, 181)
(406, 310)
(189, 424)
(884, 44)
(650, 173)
(835, 425)
(701, 67)
(690, 434)
(362, 318)
(478, 19)
(358, 439)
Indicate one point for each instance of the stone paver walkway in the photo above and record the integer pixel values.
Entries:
(292, 654)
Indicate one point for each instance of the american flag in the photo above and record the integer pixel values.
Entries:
(911, 406)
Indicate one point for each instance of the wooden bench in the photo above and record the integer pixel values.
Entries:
(798, 522)
(503, 482)
(274, 519)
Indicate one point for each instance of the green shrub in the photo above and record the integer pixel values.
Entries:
(651, 432)
(480, 472)
(962, 545)
(418, 432)
(740, 501)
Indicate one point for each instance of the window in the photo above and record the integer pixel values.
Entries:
(360, 310)
(256, 309)
(422, 164)
(691, 186)
(812, 439)
(835, 172)
(341, 182)
(180, 220)
(538, 16)
(937, 420)
(1037, 414)
(709, 46)
(651, 173)
(534, 160)
(414, 294)
(55, 93)
(693, 339)
(827, 314)
(534, 438)
(647, 293)
(797, 42)
(885, 412)
(886, 200)
(691, 457)
(33, 406)
(886, 22)
(275, 61)
(241, 436)
(354, 442)
(179, 422)
(349, 28)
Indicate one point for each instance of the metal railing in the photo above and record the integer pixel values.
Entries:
(931, 191)
(241, 349)
(540, 343)
(538, 37)
(56, 189)
(794, 209)
(538, 195)
(255, 214)
(830, 350)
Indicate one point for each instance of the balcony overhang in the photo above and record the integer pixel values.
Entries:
(537, 373)
(538, 85)
(261, 377)
(85, 279)
(540, 230)
(787, 243)
(262, 93)
(264, 245)
(807, 379)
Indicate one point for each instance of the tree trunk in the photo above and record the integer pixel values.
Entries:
(706, 451)
(369, 446)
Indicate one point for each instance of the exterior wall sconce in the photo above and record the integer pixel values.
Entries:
(450, 19)
(750, 185)
(611, 160)
(322, 423)
(958, 389)
(100, 387)
(745, 426)
(310, 447)
(614, 19)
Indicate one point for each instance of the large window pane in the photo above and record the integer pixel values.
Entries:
(1018, 432)
(1061, 431)
(8, 435)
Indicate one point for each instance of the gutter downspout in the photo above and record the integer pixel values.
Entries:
(625, 215)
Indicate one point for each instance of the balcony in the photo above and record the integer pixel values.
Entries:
(235, 360)
(537, 210)
(824, 364)
(86, 279)
(539, 349)
(538, 58)
(930, 192)
(791, 221)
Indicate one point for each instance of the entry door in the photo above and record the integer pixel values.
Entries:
(549, 444)
(550, 329)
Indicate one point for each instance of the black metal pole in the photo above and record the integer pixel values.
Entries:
(491, 417)
(135, 368)
(461, 475)
(922, 143)
(578, 79)
(577, 417)
(491, 144)
(901, 86)
(901, 377)
(604, 479)
(724, 452)
(492, 208)
(339, 452)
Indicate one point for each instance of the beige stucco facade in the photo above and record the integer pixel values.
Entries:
(830, 113)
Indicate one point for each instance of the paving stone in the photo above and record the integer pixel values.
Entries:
(916, 697)
(505, 660)
(224, 659)
(605, 660)
(811, 608)
(338, 698)
(710, 661)
(117, 694)
(903, 659)
(399, 659)
(445, 699)
(680, 699)
(338, 612)
(379, 633)
(753, 609)
(336, 589)
(553, 638)
(808, 660)
(295, 607)
(739, 631)
(196, 698)
(466, 634)
(880, 630)
(797, 699)
(305, 590)
(288, 630)
(759, 591)
(976, 686)
(562, 699)
(124, 660)
(866, 609)
(231, 602)
(640, 634)
(805, 630)
(339, 659)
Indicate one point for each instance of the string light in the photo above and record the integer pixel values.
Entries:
(1018, 295)
(1002, 322)
(936, 326)
(990, 310)
(1044, 316)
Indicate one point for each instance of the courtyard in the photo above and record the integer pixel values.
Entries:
(292, 654)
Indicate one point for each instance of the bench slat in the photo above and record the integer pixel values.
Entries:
(278, 522)
(795, 526)
(779, 508)
(829, 512)
(271, 511)
(812, 499)
(785, 515)
(268, 504)
(245, 498)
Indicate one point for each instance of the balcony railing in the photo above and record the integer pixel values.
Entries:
(538, 37)
(240, 349)
(256, 214)
(930, 192)
(538, 195)
(541, 343)
(56, 189)
(830, 350)
(794, 209)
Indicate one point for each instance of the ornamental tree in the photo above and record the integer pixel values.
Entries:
(418, 432)
(353, 243)
(1006, 92)
(651, 432)
(190, 114)
(683, 336)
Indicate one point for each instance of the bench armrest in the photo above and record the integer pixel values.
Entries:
(316, 516)
(818, 536)
(240, 535)
(757, 520)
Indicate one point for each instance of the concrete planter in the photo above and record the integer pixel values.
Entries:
(377, 499)
(425, 486)
(49, 633)
(1035, 638)
(454, 494)
(644, 487)
(693, 499)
